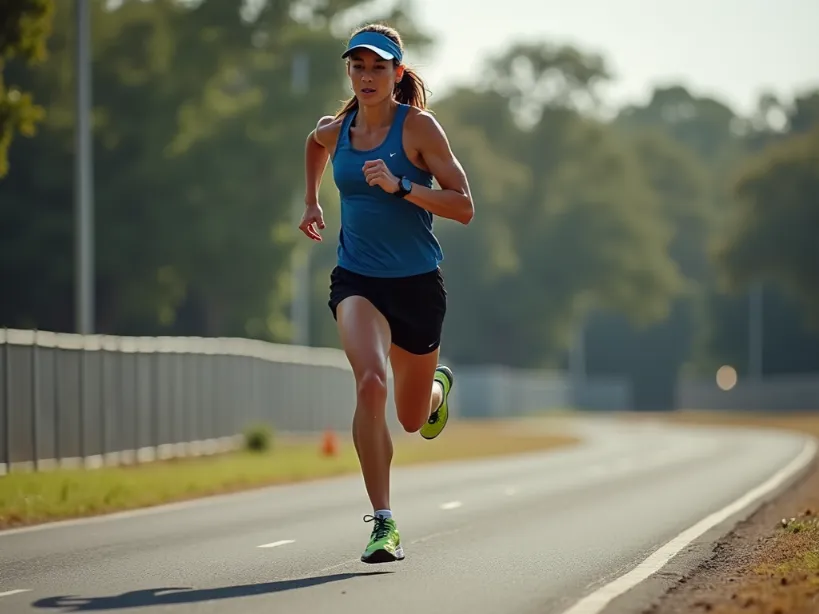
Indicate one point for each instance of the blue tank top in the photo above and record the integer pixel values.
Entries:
(382, 235)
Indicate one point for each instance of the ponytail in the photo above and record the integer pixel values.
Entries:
(409, 90)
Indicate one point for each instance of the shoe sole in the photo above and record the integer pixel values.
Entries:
(383, 556)
(449, 375)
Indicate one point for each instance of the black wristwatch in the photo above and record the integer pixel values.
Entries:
(404, 187)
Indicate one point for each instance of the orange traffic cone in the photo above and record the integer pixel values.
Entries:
(329, 443)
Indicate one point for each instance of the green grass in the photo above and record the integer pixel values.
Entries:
(796, 550)
(29, 498)
(800, 526)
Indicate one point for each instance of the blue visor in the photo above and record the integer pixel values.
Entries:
(374, 41)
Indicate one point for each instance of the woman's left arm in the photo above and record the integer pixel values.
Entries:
(454, 199)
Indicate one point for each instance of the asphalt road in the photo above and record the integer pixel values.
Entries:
(519, 535)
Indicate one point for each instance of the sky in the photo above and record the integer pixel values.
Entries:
(732, 49)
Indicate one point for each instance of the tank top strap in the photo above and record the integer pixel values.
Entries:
(401, 113)
(343, 141)
(395, 136)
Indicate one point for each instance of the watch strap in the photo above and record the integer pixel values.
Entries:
(401, 191)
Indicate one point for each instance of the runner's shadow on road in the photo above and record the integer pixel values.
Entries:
(181, 595)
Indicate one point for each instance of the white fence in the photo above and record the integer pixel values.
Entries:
(773, 393)
(73, 400)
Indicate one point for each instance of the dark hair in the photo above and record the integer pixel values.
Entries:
(409, 90)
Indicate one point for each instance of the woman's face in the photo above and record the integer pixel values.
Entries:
(373, 79)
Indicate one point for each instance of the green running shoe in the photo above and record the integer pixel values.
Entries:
(385, 542)
(438, 419)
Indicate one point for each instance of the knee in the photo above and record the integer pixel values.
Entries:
(411, 424)
(371, 389)
(411, 412)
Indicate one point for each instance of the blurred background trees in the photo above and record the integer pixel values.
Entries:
(636, 233)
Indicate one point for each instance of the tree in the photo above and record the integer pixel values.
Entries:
(534, 76)
(773, 234)
(566, 219)
(25, 26)
(702, 123)
(198, 142)
(652, 356)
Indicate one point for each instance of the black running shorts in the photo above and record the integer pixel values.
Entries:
(414, 306)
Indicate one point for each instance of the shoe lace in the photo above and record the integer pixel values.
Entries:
(381, 528)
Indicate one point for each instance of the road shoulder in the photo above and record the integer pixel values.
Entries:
(760, 566)
(751, 564)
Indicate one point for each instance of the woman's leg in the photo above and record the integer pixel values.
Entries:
(365, 337)
(421, 384)
(417, 395)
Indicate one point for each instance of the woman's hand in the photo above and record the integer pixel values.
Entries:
(377, 173)
(312, 221)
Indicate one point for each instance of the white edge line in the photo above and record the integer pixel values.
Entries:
(599, 599)
(451, 505)
(15, 591)
(282, 542)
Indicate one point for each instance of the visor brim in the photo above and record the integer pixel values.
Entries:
(384, 55)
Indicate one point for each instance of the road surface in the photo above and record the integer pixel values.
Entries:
(535, 533)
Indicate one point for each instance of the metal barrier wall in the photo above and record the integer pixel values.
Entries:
(773, 393)
(73, 400)
(498, 391)
(104, 400)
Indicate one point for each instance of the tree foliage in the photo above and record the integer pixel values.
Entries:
(773, 234)
(24, 29)
(199, 120)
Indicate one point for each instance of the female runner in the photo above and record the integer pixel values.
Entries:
(387, 291)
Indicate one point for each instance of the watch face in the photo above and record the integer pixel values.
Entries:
(406, 184)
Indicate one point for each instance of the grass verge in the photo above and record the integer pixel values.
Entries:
(775, 568)
(783, 576)
(30, 498)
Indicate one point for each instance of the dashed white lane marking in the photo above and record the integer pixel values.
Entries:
(15, 591)
(451, 505)
(597, 601)
(282, 542)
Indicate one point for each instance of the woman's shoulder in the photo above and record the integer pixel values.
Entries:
(423, 123)
(327, 130)
(417, 115)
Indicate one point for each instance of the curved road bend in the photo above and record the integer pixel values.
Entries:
(534, 533)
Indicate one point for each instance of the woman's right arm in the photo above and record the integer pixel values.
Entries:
(320, 142)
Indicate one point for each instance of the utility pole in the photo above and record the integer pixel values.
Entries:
(755, 331)
(300, 267)
(577, 355)
(577, 364)
(83, 177)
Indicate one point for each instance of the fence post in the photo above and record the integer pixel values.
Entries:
(154, 388)
(83, 399)
(103, 405)
(121, 428)
(58, 453)
(137, 396)
(7, 398)
(35, 402)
